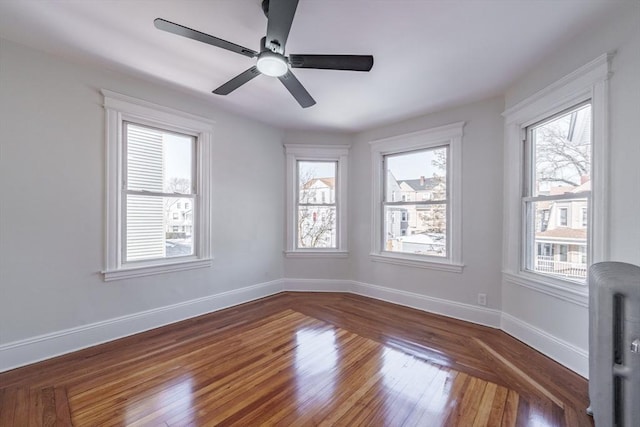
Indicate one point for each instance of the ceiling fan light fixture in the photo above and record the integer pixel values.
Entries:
(272, 64)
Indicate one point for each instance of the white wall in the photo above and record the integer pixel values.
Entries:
(481, 209)
(549, 318)
(52, 200)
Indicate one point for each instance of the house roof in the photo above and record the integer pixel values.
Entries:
(564, 233)
(421, 185)
(329, 182)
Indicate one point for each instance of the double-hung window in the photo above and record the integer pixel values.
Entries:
(316, 200)
(415, 202)
(316, 209)
(158, 189)
(416, 199)
(557, 179)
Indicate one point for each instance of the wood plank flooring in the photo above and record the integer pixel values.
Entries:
(301, 359)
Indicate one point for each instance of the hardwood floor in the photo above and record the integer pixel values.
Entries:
(296, 360)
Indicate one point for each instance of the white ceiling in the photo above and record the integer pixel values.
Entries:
(428, 55)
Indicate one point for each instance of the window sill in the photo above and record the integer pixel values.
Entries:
(316, 254)
(149, 270)
(568, 291)
(413, 261)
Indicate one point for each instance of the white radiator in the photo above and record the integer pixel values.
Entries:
(614, 344)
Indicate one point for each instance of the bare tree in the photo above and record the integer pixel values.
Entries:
(434, 217)
(562, 156)
(315, 223)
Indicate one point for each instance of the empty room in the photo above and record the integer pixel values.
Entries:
(319, 212)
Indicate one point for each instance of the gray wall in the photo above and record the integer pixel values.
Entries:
(52, 199)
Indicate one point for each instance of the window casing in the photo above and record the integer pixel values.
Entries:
(316, 200)
(588, 84)
(145, 231)
(431, 200)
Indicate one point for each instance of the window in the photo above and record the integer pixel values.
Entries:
(159, 173)
(556, 151)
(316, 200)
(563, 217)
(428, 235)
(424, 230)
(316, 205)
(557, 175)
(158, 160)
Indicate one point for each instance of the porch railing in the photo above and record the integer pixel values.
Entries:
(547, 264)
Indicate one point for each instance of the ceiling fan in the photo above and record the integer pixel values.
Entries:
(271, 59)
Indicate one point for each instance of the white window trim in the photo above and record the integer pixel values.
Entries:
(450, 135)
(119, 108)
(589, 82)
(331, 153)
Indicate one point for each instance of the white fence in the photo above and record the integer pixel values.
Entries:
(547, 264)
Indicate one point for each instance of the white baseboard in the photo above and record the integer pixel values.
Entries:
(470, 313)
(316, 285)
(559, 350)
(31, 350)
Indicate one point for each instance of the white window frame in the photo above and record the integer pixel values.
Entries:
(119, 109)
(448, 135)
(318, 153)
(563, 218)
(589, 83)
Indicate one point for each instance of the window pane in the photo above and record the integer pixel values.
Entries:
(556, 249)
(156, 228)
(317, 182)
(178, 217)
(562, 153)
(416, 229)
(158, 161)
(416, 176)
(316, 227)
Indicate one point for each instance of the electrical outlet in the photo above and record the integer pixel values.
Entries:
(482, 299)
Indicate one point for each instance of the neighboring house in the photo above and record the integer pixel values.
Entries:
(397, 217)
(413, 228)
(561, 233)
(318, 190)
(178, 219)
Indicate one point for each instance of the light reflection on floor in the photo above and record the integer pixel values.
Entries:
(408, 378)
(174, 400)
(316, 360)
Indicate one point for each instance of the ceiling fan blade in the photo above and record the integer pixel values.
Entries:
(181, 30)
(332, 62)
(280, 18)
(296, 89)
(237, 81)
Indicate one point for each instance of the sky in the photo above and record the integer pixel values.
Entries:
(412, 165)
(177, 155)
